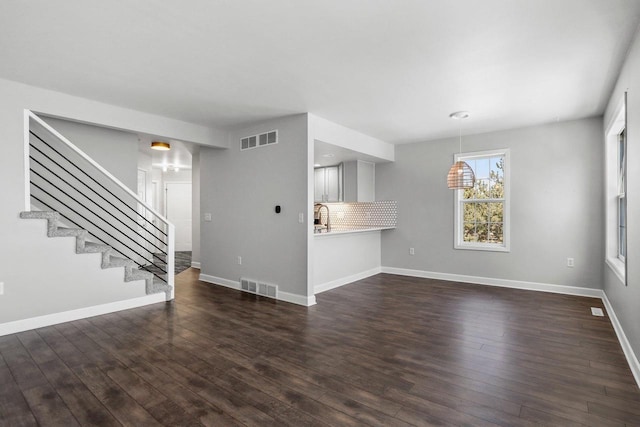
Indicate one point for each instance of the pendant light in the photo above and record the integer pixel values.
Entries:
(460, 175)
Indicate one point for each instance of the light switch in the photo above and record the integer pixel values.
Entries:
(207, 217)
(301, 218)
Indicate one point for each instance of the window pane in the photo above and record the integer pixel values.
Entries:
(482, 230)
(622, 225)
(482, 189)
(496, 233)
(481, 212)
(469, 232)
(496, 212)
(468, 212)
(481, 168)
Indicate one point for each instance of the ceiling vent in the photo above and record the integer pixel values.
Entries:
(260, 140)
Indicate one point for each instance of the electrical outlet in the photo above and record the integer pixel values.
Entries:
(570, 262)
(207, 217)
(1, 288)
(301, 218)
(239, 260)
(412, 251)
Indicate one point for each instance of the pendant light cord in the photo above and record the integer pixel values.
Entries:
(460, 134)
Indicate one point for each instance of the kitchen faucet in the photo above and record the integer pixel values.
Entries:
(319, 214)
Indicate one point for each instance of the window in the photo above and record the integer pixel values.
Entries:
(616, 200)
(622, 200)
(482, 212)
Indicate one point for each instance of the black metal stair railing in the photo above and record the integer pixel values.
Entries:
(65, 180)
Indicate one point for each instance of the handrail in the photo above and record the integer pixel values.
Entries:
(91, 178)
(96, 165)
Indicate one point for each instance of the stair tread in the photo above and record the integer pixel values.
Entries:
(119, 262)
(66, 232)
(40, 215)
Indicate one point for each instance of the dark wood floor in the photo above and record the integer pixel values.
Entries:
(388, 350)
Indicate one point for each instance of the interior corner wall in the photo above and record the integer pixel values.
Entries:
(241, 189)
(625, 300)
(556, 206)
(34, 283)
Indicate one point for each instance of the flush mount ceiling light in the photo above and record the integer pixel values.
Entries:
(160, 146)
(460, 175)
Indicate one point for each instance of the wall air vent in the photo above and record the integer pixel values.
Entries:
(260, 140)
(259, 288)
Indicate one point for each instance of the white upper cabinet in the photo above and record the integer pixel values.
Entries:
(328, 184)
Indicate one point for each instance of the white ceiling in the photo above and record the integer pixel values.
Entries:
(391, 69)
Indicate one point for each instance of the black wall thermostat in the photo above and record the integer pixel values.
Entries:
(278, 209)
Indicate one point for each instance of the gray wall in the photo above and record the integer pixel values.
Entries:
(556, 206)
(241, 189)
(626, 300)
(114, 150)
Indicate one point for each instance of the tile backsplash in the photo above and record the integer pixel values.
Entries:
(358, 215)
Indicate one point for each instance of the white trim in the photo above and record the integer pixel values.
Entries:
(297, 299)
(611, 177)
(506, 230)
(282, 296)
(195, 264)
(505, 283)
(634, 364)
(77, 314)
(95, 165)
(27, 166)
(171, 261)
(233, 284)
(317, 289)
(617, 266)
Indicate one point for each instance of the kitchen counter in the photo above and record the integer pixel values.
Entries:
(339, 231)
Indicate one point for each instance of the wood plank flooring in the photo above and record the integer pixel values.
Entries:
(384, 351)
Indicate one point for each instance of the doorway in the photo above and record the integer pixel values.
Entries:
(178, 211)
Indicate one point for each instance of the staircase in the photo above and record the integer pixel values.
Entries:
(69, 189)
(109, 258)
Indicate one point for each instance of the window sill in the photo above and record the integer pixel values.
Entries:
(489, 248)
(617, 267)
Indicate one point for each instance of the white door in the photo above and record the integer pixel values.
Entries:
(178, 209)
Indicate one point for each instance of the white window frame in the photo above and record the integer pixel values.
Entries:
(614, 191)
(458, 242)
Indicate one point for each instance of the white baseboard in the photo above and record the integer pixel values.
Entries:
(195, 264)
(505, 283)
(282, 296)
(634, 365)
(77, 314)
(345, 280)
(219, 281)
(297, 299)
